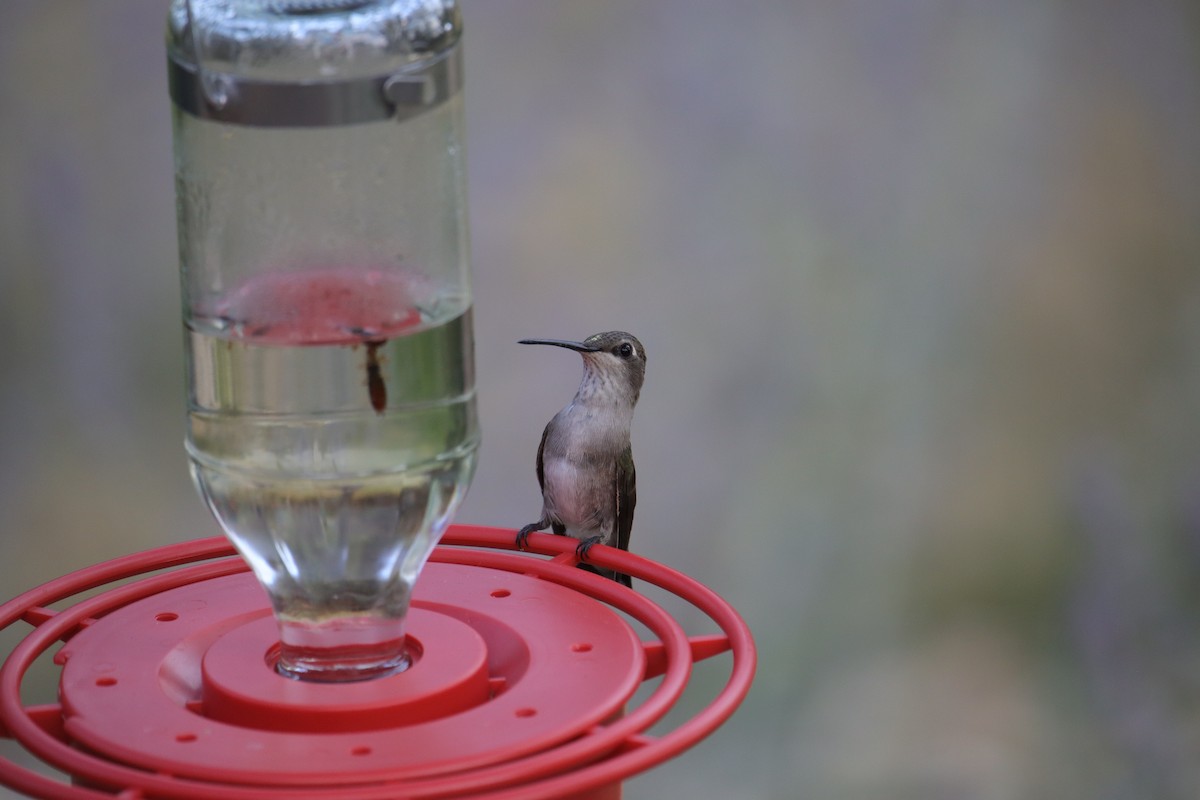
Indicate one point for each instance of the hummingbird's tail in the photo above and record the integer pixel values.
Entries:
(619, 577)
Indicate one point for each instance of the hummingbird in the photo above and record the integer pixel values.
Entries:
(584, 462)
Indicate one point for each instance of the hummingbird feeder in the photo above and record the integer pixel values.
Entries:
(332, 432)
(521, 686)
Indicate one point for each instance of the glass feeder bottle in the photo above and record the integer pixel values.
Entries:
(326, 299)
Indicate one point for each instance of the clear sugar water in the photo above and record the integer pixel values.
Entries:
(333, 493)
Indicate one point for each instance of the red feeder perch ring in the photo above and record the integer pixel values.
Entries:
(523, 673)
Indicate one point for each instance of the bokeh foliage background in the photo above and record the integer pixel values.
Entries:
(919, 285)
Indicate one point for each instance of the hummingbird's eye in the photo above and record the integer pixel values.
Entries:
(624, 350)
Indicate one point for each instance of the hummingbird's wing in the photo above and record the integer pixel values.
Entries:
(626, 496)
(546, 519)
(540, 471)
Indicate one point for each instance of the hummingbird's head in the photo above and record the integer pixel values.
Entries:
(614, 363)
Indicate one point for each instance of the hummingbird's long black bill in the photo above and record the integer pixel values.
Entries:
(579, 347)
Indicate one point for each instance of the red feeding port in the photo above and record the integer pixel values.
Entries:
(522, 683)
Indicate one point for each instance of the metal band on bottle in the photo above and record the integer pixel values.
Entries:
(223, 97)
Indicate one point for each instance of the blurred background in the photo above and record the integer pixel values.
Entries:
(919, 287)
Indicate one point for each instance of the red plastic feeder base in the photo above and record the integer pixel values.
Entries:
(522, 673)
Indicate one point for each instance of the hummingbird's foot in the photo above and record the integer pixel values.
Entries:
(581, 551)
(523, 534)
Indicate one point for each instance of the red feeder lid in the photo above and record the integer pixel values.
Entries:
(522, 679)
